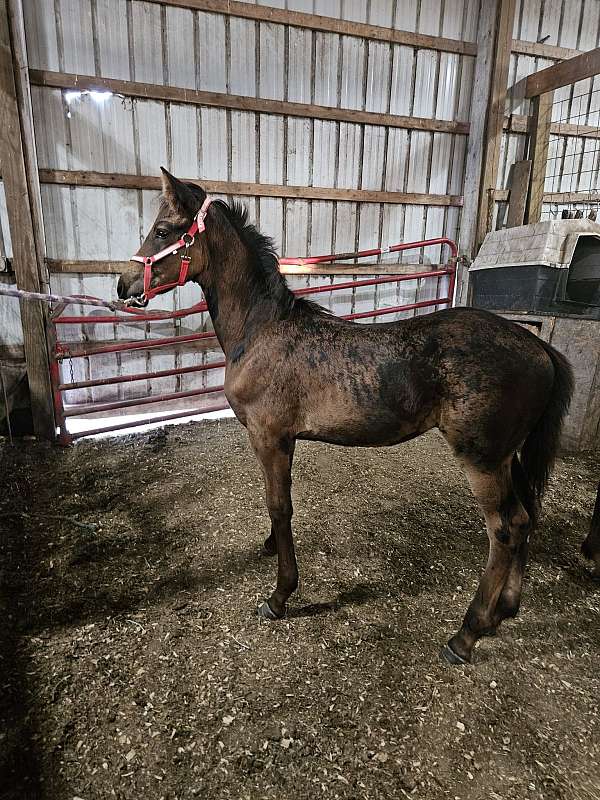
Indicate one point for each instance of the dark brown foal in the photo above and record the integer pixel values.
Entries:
(496, 392)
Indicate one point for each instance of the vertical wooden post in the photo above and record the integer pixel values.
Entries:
(19, 173)
(539, 140)
(487, 115)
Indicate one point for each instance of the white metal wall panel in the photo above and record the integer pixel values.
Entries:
(112, 41)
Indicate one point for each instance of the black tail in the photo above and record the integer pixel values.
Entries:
(540, 447)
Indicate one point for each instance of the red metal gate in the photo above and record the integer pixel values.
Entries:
(64, 351)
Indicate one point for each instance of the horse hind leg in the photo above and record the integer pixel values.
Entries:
(508, 525)
(269, 547)
(510, 597)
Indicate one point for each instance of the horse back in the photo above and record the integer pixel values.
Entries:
(348, 383)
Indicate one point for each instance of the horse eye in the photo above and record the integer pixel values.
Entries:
(161, 233)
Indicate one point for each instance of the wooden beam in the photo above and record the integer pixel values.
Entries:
(316, 22)
(174, 94)
(519, 185)
(71, 267)
(17, 151)
(127, 181)
(583, 198)
(487, 117)
(561, 198)
(495, 116)
(585, 65)
(540, 50)
(518, 123)
(538, 154)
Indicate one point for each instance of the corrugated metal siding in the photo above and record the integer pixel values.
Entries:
(144, 41)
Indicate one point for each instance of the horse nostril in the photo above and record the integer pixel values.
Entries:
(121, 290)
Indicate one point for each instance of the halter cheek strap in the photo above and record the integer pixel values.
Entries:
(187, 240)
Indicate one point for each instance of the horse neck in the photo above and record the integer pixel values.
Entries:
(229, 286)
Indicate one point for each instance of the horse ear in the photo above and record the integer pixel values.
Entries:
(178, 195)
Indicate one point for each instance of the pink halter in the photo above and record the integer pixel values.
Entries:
(187, 240)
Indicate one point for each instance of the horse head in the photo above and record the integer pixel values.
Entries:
(174, 251)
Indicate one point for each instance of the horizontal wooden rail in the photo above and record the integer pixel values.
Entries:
(521, 124)
(175, 94)
(127, 181)
(585, 65)
(541, 50)
(362, 30)
(316, 22)
(99, 267)
(582, 197)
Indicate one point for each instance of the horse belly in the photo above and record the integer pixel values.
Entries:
(366, 417)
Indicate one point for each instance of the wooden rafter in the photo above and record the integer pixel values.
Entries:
(585, 65)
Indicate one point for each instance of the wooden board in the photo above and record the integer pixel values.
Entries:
(495, 116)
(152, 91)
(542, 50)
(126, 181)
(517, 123)
(538, 153)
(519, 186)
(561, 198)
(27, 238)
(585, 65)
(323, 23)
(483, 146)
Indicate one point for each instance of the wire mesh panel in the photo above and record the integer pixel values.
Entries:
(572, 185)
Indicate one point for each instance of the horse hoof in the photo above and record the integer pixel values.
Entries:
(451, 657)
(265, 612)
(265, 552)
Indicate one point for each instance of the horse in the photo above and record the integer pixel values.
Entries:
(496, 392)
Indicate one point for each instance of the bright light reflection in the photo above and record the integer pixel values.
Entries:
(100, 97)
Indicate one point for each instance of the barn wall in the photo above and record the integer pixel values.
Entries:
(149, 42)
(11, 335)
(573, 24)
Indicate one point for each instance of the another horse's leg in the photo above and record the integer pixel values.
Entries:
(507, 524)
(275, 457)
(591, 545)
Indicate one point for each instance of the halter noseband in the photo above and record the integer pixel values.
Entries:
(187, 240)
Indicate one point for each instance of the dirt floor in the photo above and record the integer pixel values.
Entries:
(132, 664)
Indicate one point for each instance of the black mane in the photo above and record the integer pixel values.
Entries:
(269, 282)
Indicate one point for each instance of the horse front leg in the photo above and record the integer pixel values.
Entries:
(275, 457)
